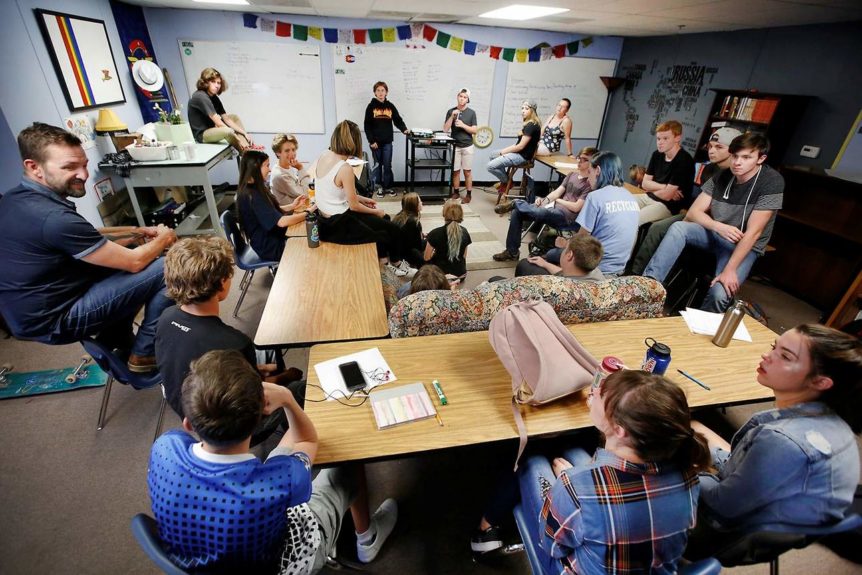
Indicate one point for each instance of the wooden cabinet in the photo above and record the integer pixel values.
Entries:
(775, 115)
(817, 238)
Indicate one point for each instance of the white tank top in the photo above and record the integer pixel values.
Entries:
(331, 200)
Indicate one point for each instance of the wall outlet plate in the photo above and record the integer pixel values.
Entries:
(810, 151)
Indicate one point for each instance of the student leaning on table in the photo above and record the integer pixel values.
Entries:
(208, 119)
(627, 509)
(797, 464)
(262, 220)
(346, 217)
(221, 510)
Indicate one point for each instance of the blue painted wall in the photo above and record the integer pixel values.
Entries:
(822, 61)
(31, 91)
(167, 26)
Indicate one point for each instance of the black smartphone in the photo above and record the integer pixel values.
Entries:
(352, 375)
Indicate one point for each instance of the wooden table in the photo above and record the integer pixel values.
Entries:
(329, 293)
(551, 162)
(479, 388)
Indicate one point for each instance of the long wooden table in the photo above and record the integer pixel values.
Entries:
(329, 293)
(479, 388)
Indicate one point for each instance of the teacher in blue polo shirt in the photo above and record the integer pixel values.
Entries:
(60, 279)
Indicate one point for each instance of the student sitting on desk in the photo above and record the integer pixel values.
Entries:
(567, 200)
(522, 151)
(626, 509)
(797, 464)
(347, 218)
(289, 178)
(447, 245)
(207, 117)
(579, 261)
(557, 129)
(220, 509)
(262, 220)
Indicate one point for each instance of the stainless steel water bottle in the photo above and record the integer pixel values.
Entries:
(729, 323)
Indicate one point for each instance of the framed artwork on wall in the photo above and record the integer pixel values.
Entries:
(103, 188)
(82, 58)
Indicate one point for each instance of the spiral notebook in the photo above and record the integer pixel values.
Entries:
(401, 404)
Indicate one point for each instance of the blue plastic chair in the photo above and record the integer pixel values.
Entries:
(766, 545)
(246, 258)
(117, 369)
(708, 566)
(146, 531)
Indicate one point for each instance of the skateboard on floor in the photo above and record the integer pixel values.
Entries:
(20, 384)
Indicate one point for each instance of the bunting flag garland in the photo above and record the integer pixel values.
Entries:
(428, 33)
(413, 31)
(282, 29)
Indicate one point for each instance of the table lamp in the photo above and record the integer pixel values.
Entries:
(107, 126)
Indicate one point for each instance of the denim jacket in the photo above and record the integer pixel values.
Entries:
(793, 466)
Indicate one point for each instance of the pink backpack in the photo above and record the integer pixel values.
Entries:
(545, 360)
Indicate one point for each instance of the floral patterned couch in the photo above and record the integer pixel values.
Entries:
(439, 312)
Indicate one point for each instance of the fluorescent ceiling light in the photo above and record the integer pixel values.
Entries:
(522, 12)
(235, 2)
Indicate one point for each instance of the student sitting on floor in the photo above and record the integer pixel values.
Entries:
(797, 464)
(429, 277)
(579, 261)
(262, 220)
(412, 238)
(447, 245)
(198, 274)
(221, 509)
(628, 508)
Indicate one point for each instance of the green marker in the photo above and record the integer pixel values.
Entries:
(440, 395)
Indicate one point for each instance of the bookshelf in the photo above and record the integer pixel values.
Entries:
(775, 115)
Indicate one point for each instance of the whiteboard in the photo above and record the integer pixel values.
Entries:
(548, 82)
(423, 81)
(272, 87)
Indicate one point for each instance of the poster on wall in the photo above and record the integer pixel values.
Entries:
(82, 126)
(82, 58)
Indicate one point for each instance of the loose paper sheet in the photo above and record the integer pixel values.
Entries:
(369, 360)
(706, 323)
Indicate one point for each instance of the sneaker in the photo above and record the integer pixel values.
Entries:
(468, 198)
(505, 256)
(380, 192)
(486, 541)
(396, 270)
(504, 207)
(391, 192)
(142, 363)
(409, 272)
(383, 521)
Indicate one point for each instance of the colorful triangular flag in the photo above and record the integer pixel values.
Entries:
(470, 47)
(521, 55)
(330, 35)
(572, 47)
(587, 41)
(456, 44)
(508, 54)
(404, 32)
(316, 33)
(534, 54)
(249, 20)
(428, 33)
(267, 25)
(345, 36)
(282, 29)
(300, 32)
(443, 39)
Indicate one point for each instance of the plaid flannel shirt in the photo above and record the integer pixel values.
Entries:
(618, 517)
